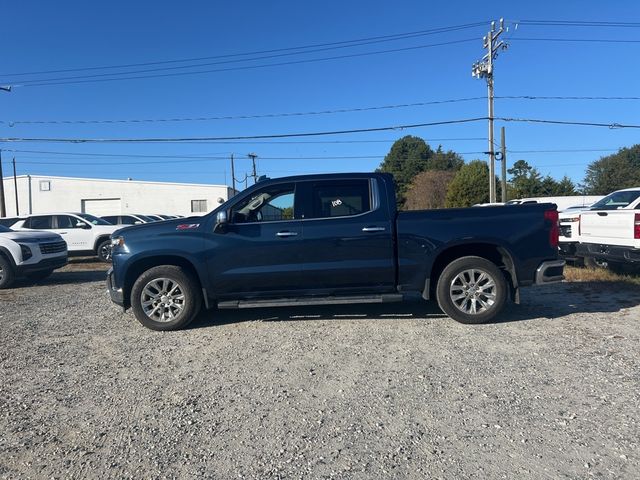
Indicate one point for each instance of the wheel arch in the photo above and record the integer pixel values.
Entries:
(497, 254)
(142, 265)
(99, 240)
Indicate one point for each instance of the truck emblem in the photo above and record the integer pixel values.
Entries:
(336, 203)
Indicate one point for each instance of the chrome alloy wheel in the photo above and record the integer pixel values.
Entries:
(473, 291)
(162, 299)
(1, 274)
(105, 252)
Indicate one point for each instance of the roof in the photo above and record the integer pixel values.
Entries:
(111, 180)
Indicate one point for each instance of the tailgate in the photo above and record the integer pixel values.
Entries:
(613, 227)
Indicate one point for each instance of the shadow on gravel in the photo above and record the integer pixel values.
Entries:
(374, 311)
(66, 278)
(550, 302)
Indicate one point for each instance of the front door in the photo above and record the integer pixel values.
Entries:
(76, 232)
(258, 253)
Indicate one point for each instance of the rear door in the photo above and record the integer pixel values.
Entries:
(259, 251)
(348, 238)
(612, 220)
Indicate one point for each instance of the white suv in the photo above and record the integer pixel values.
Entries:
(85, 234)
(34, 255)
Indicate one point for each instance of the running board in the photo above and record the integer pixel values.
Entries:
(289, 302)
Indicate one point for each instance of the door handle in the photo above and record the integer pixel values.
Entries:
(287, 234)
(63, 233)
(373, 229)
(603, 214)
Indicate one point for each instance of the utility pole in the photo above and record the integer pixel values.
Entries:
(484, 69)
(15, 185)
(503, 159)
(233, 175)
(3, 209)
(253, 157)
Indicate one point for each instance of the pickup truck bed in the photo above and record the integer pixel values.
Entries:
(332, 239)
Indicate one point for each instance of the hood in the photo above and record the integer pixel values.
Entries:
(162, 227)
(32, 236)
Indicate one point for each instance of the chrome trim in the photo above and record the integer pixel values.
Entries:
(542, 278)
(287, 234)
(373, 229)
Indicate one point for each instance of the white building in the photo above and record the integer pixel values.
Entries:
(43, 194)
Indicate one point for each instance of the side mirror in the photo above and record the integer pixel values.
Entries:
(221, 221)
(83, 225)
(138, 222)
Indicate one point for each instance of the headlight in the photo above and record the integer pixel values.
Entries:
(26, 252)
(117, 242)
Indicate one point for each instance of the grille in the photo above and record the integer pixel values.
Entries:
(53, 247)
(565, 230)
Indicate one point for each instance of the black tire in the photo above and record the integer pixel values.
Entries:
(459, 295)
(175, 313)
(103, 251)
(39, 276)
(7, 274)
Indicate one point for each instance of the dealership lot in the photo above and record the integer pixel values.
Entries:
(393, 391)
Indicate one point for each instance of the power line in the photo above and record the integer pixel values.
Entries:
(577, 40)
(567, 122)
(242, 117)
(46, 82)
(576, 23)
(376, 39)
(243, 137)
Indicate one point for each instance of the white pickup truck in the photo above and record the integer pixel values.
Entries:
(609, 232)
(34, 255)
(85, 234)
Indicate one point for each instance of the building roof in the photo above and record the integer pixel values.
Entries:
(110, 180)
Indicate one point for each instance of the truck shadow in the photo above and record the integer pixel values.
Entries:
(537, 303)
(65, 278)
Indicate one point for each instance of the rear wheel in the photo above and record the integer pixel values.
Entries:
(472, 290)
(7, 275)
(165, 298)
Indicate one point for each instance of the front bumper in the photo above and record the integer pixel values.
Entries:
(550, 271)
(42, 265)
(614, 253)
(116, 294)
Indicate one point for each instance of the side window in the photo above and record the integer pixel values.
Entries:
(113, 219)
(127, 220)
(66, 221)
(340, 199)
(272, 204)
(39, 223)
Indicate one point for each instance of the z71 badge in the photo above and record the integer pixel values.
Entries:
(187, 226)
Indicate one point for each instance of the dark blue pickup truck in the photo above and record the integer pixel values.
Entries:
(331, 239)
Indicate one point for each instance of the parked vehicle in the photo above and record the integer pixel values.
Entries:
(34, 255)
(327, 239)
(609, 232)
(127, 219)
(155, 218)
(9, 221)
(562, 202)
(85, 234)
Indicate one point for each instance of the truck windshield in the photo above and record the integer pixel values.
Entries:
(93, 220)
(616, 200)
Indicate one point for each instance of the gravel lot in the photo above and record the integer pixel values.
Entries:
(394, 391)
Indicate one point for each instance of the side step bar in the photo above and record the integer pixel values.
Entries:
(288, 302)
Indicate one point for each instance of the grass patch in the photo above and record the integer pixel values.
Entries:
(574, 274)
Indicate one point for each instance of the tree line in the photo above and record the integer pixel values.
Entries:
(427, 178)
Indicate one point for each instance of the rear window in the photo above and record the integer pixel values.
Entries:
(39, 223)
(340, 199)
(616, 200)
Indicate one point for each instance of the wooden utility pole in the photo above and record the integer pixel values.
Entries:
(15, 185)
(484, 69)
(253, 156)
(233, 175)
(503, 159)
(3, 208)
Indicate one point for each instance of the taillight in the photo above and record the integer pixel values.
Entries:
(554, 233)
(636, 227)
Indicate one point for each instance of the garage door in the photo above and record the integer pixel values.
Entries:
(102, 206)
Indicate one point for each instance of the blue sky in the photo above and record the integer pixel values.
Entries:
(46, 36)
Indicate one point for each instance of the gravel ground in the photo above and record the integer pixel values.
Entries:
(396, 391)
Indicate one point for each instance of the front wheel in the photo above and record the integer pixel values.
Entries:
(472, 290)
(103, 252)
(165, 298)
(7, 275)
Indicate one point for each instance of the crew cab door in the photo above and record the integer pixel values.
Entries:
(259, 251)
(611, 221)
(348, 237)
(76, 232)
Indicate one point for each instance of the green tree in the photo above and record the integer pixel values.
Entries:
(525, 181)
(613, 172)
(448, 161)
(408, 157)
(469, 186)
